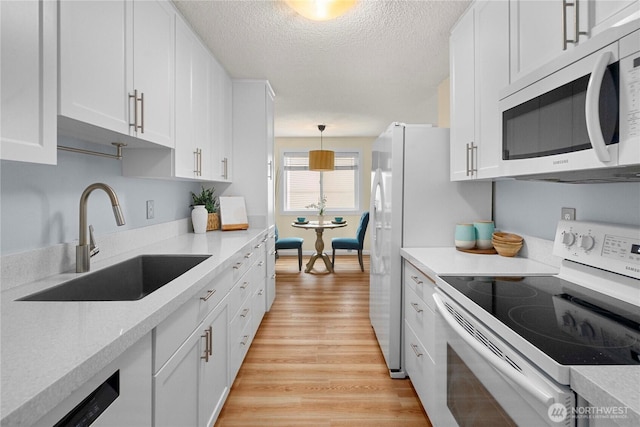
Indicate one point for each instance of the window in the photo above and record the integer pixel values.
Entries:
(302, 187)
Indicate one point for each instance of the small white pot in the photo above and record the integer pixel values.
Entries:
(199, 216)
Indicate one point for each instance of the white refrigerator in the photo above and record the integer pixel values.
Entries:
(413, 204)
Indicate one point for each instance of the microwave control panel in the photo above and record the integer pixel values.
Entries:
(610, 247)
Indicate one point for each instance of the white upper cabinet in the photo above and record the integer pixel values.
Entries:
(536, 34)
(542, 29)
(117, 66)
(479, 48)
(221, 122)
(253, 142)
(29, 72)
(153, 76)
(193, 136)
(462, 54)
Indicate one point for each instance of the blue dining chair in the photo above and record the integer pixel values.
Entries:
(353, 243)
(290, 243)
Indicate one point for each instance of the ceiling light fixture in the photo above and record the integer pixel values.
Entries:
(321, 10)
(321, 160)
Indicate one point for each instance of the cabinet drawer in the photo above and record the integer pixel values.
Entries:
(171, 333)
(240, 292)
(420, 368)
(243, 260)
(241, 319)
(258, 304)
(421, 319)
(423, 285)
(239, 345)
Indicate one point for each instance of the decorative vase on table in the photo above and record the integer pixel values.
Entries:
(320, 219)
(199, 217)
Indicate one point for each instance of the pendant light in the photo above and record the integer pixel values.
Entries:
(321, 160)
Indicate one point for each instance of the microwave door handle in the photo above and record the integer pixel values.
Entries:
(592, 110)
(497, 363)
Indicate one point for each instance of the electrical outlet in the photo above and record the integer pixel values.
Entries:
(568, 214)
(150, 209)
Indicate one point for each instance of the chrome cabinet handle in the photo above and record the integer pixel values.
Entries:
(261, 292)
(209, 294)
(198, 161)
(576, 23)
(208, 336)
(137, 99)
(248, 255)
(260, 264)
(244, 312)
(245, 339)
(259, 245)
(474, 160)
(270, 169)
(416, 307)
(416, 350)
(135, 109)
(141, 112)
(224, 168)
(244, 285)
(417, 280)
(237, 265)
(467, 159)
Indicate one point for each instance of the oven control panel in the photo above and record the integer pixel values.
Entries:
(610, 247)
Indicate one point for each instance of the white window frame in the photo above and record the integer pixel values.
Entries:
(329, 211)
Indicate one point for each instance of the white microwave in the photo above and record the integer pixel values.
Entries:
(577, 119)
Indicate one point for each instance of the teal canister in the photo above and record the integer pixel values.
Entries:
(484, 233)
(465, 236)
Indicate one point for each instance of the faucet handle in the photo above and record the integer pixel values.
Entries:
(93, 249)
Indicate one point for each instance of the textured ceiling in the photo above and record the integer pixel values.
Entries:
(379, 63)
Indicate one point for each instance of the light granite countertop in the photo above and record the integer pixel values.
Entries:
(604, 387)
(49, 349)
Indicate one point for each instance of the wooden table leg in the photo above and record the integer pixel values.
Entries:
(319, 253)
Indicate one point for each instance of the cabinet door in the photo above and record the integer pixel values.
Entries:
(214, 383)
(491, 75)
(153, 78)
(607, 12)
(462, 53)
(28, 88)
(184, 147)
(221, 123)
(176, 385)
(536, 34)
(95, 63)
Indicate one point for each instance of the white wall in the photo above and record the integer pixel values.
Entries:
(39, 204)
(533, 208)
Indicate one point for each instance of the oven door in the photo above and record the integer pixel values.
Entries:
(481, 381)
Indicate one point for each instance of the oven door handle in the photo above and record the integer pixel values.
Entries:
(592, 108)
(497, 363)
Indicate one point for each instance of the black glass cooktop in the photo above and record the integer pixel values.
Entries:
(571, 324)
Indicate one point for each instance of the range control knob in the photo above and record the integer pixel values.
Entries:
(586, 242)
(586, 330)
(568, 238)
(568, 320)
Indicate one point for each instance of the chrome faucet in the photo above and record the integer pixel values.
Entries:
(84, 249)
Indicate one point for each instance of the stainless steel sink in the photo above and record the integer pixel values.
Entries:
(127, 281)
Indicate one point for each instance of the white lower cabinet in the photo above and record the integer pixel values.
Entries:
(191, 387)
(420, 335)
(271, 267)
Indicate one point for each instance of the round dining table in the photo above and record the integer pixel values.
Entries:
(319, 228)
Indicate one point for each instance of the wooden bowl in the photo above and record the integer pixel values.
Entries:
(507, 237)
(507, 249)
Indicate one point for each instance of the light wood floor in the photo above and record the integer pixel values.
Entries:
(315, 360)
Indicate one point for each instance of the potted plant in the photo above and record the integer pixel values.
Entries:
(211, 203)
